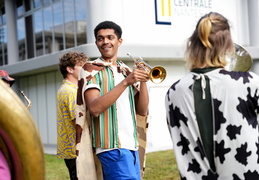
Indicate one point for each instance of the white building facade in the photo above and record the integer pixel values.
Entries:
(35, 33)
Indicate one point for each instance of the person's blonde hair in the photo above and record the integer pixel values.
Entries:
(210, 42)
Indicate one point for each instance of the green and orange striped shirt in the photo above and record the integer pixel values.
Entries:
(105, 127)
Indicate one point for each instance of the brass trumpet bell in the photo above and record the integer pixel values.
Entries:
(241, 61)
(157, 74)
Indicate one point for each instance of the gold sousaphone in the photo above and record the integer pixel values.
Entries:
(20, 140)
(156, 74)
(241, 61)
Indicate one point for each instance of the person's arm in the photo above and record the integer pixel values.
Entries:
(142, 100)
(74, 122)
(98, 104)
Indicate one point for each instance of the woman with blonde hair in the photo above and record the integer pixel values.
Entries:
(212, 112)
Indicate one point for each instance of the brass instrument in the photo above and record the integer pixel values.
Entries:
(156, 74)
(27, 99)
(242, 60)
(19, 138)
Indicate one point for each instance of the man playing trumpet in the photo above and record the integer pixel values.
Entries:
(107, 93)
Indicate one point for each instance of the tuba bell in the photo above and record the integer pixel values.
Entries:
(156, 74)
(20, 141)
(241, 61)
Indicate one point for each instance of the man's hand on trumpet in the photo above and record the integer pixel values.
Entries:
(137, 75)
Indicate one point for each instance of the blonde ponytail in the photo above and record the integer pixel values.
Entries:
(210, 42)
(204, 30)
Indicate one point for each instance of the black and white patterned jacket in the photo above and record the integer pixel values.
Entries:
(235, 132)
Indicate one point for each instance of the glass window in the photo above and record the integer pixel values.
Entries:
(46, 2)
(69, 17)
(58, 26)
(4, 15)
(5, 45)
(27, 5)
(3, 49)
(80, 9)
(29, 36)
(3, 34)
(38, 30)
(1, 56)
(20, 7)
(1, 20)
(21, 39)
(48, 39)
(36, 3)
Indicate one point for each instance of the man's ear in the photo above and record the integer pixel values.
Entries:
(69, 69)
(120, 41)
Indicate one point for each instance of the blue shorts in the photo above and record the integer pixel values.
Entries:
(120, 164)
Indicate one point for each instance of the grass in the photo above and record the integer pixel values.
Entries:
(55, 168)
(160, 165)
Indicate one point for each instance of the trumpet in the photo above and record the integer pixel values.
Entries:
(156, 74)
(241, 61)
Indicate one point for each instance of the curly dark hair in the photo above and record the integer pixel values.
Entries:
(70, 59)
(108, 25)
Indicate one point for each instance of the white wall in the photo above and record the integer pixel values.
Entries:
(41, 89)
(158, 135)
(138, 18)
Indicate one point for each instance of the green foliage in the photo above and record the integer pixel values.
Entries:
(160, 165)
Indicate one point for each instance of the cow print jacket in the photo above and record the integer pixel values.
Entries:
(234, 98)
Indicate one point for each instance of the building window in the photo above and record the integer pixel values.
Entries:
(38, 33)
(3, 38)
(29, 36)
(3, 16)
(36, 3)
(3, 45)
(69, 18)
(58, 27)
(45, 26)
(80, 12)
(46, 2)
(48, 27)
(20, 8)
(21, 39)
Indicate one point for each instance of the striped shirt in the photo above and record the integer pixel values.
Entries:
(105, 127)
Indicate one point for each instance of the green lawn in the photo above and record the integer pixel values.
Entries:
(55, 168)
(160, 165)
